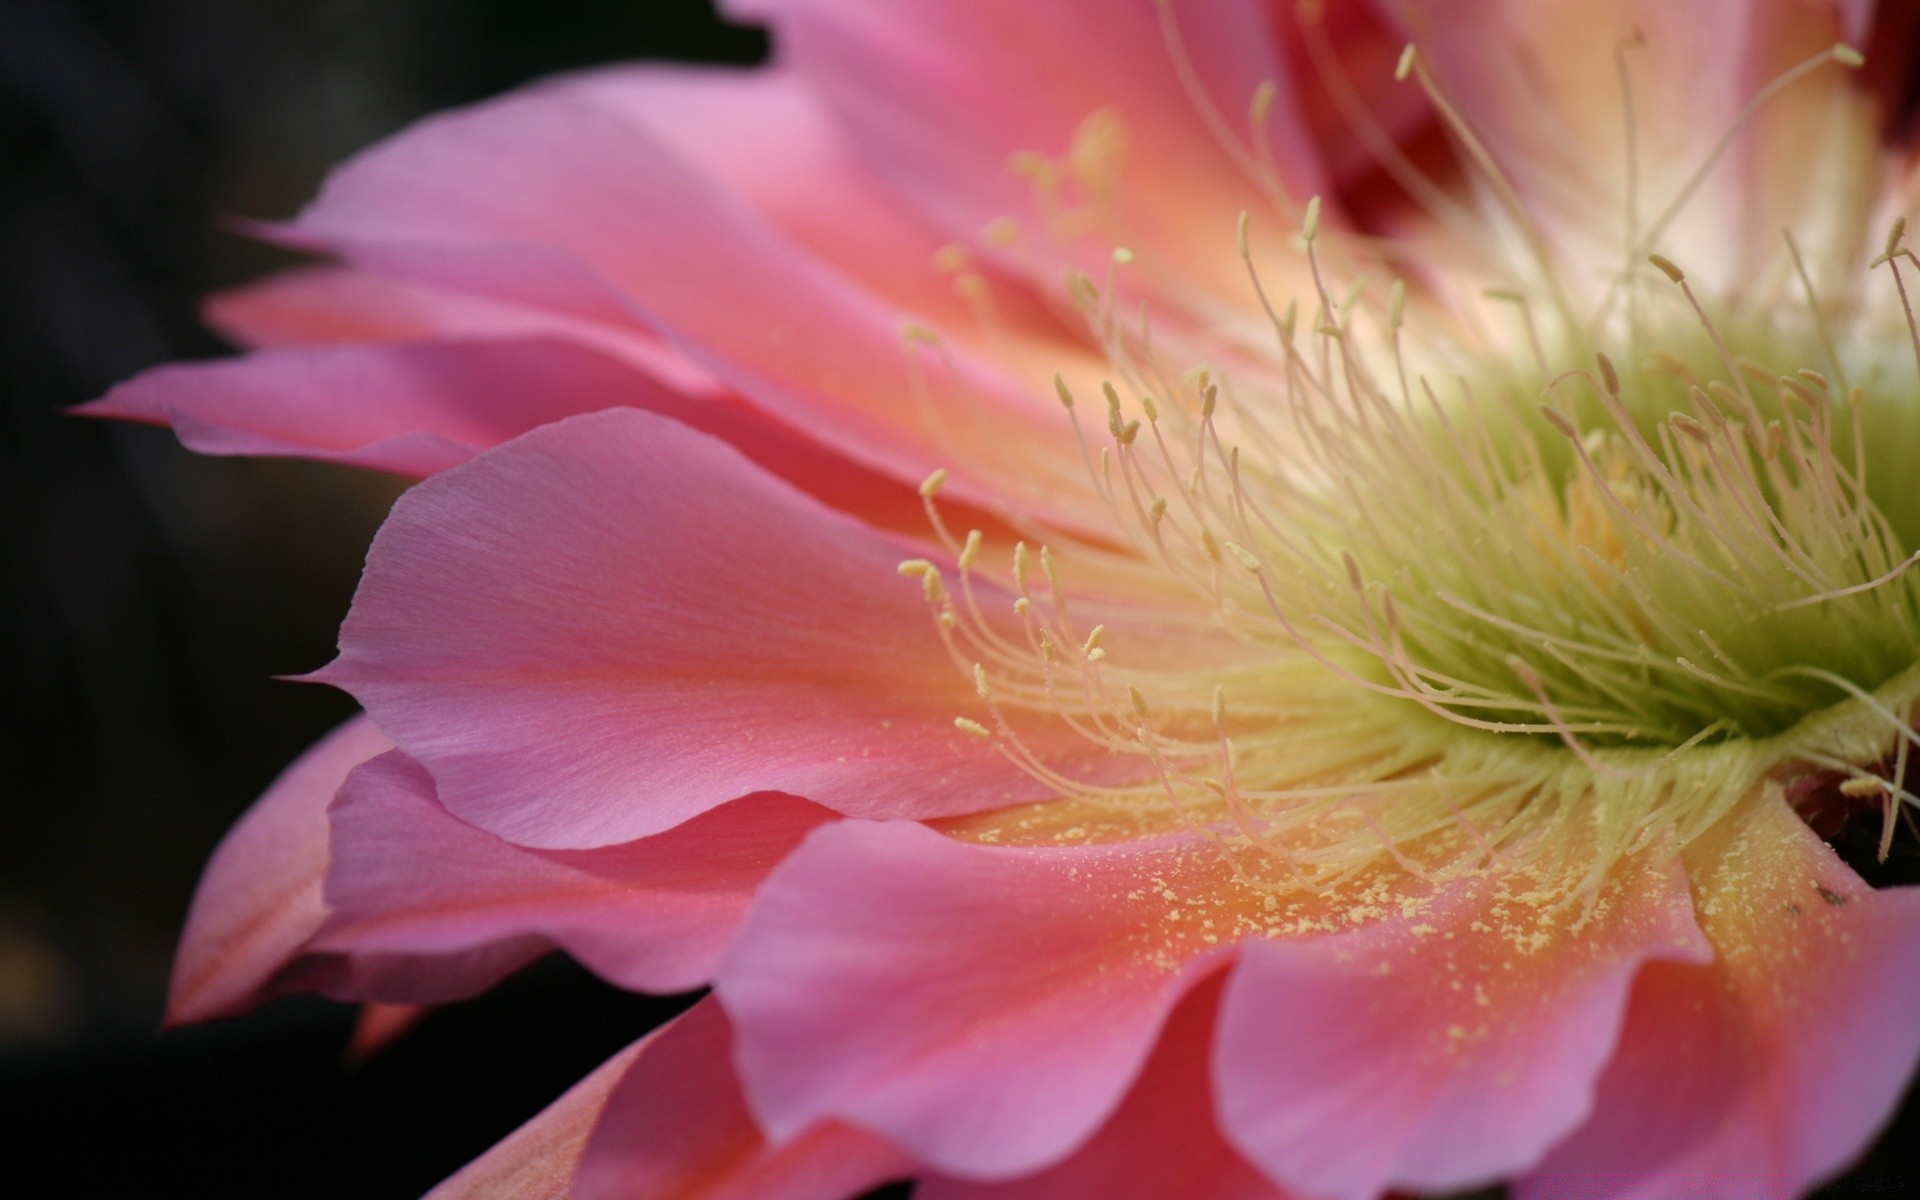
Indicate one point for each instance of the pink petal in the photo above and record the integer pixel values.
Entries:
(259, 899)
(614, 624)
(677, 1127)
(983, 1008)
(536, 1161)
(767, 140)
(1437, 1051)
(1769, 1069)
(552, 201)
(411, 409)
(653, 915)
(417, 409)
(328, 305)
(938, 95)
(1162, 1144)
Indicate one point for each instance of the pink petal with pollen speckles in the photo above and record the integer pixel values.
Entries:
(1768, 1069)
(613, 624)
(984, 1008)
(408, 879)
(259, 899)
(677, 1127)
(1437, 1051)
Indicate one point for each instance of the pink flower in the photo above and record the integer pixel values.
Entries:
(1398, 552)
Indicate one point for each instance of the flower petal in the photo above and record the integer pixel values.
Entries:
(259, 898)
(409, 879)
(552, 201)
(418, 408)
(536, 1161)
(1770, 1068)
(983, 1008)
(411, 409)
(677, 1127)
(1441, 1050)
(1162, 1144)
(614, 624)
(939, 95)
(329, 305)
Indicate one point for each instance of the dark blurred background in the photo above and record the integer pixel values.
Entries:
(149, 596)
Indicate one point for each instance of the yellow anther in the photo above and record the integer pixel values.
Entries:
(1020, 565)
(1244, 558)
(1263, 98)
(1219, 705)
(1093, 640)
(980, 682)
(1894, 235)
(1060, 388)
(1113, 397)
(1288, 320)
(931, 486)
(1354, 579)
(1560, 421)
(1847, 56)
(915, 566)
(1667, 268)
(1861, 787)
(1208, 544)
(1022, 607)
(1404, 67)
(1139, 701)
(1209, 397)
(1157, 512)
(1311, 224)
(1608, 375)
(1148, 407)
(970, 553)
(972, 728)
(1126, 433)
(1122, 255)
(1001, 231)
(933, 587)
(1692, 428)
(1245, 217)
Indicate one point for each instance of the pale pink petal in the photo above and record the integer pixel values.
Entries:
(552, 201)
(1162, 1144)
(1438, 1051)
(408, 879)
(537, 1160)
(1538, 83)
(939, 95)
(613, 624)
(259, 899)
(1769, 1069)
(984, 1008)
(677, 1128)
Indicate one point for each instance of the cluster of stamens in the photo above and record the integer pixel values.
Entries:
(1348, 605)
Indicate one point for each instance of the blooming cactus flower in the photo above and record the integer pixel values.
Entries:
(1166, 599)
